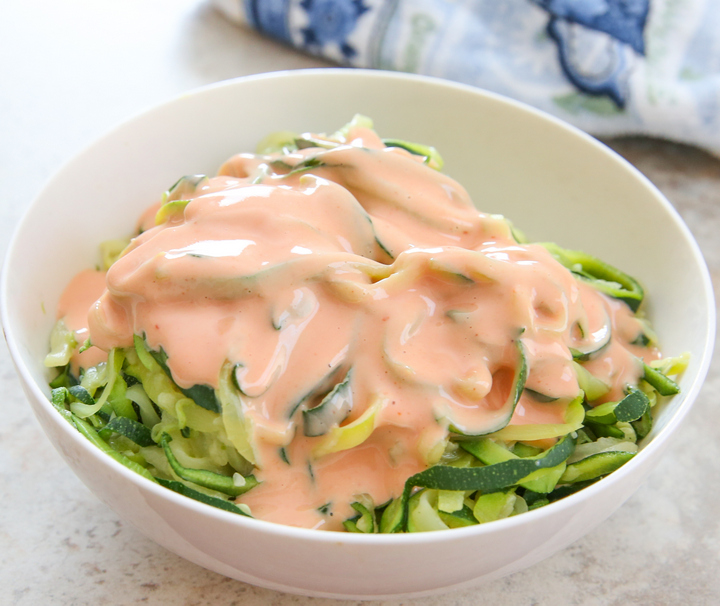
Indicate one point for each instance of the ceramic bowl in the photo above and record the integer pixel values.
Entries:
(553, 181)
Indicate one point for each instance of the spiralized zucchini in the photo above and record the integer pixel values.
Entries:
(198, 442)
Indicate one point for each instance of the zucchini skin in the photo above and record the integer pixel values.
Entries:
(488, 479)
(516, 390)
(332, 410)
(203, 395)
(661, 383)
(600, 275)
(595, 466)
(206, 479)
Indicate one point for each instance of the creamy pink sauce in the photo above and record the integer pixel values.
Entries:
(373, 263)
(79, 295)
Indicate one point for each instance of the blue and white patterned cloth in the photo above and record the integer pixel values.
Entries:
(608, 66)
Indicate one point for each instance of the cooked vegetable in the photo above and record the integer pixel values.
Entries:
(503, 413)
(431, 155)
(132, 430)
(232, 486)
(332, 411)
(600, 275)
(661, 383)
(595, 466)
(469, 360)
(203, 395)
(62, 345)
(191, 493)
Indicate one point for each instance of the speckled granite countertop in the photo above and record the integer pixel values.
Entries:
(69, 72)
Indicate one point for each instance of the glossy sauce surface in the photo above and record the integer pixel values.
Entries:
(370, 267)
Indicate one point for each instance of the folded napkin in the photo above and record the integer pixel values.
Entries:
(610, 67)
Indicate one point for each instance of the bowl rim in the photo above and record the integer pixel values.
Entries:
(646, 452)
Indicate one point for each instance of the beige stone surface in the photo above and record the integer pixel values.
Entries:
(69, 71)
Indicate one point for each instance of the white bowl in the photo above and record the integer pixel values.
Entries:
(555, 182)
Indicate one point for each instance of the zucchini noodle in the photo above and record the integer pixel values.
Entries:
(330, 330)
